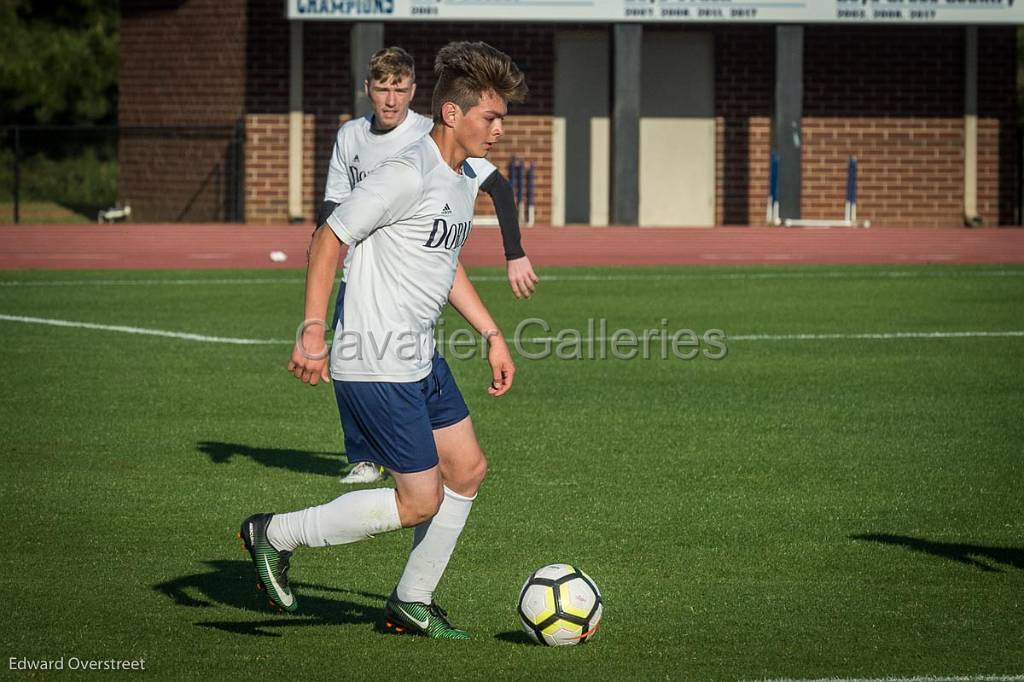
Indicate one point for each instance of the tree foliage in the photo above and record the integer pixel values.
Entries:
(58, 61)
(1020, 76)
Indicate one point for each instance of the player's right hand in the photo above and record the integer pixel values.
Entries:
(306, 368)
(502, 367)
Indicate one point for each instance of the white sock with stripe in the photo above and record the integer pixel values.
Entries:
(432, 547)
(352, 517)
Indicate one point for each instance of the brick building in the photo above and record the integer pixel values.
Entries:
(898, 97)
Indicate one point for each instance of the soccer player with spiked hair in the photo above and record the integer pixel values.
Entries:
(364, 143)
(405, 223)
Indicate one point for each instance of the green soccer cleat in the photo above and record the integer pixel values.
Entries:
(416, 618)
(271, 565)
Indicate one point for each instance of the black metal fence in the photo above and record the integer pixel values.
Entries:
(149, 173)
(1019, 217)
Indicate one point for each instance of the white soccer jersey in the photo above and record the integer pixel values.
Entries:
(408, 218)
(358, 150)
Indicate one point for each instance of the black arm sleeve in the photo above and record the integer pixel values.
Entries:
(508, 217)
(325, 211)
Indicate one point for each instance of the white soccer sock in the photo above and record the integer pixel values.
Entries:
(432, 547)
(354, 516)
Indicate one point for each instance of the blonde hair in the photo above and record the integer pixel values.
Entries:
(391, 64)
(465, 71)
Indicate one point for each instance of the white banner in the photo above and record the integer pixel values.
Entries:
(918, 12)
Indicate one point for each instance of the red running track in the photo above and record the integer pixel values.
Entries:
(154, 246)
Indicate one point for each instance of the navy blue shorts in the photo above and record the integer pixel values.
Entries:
(393, 424)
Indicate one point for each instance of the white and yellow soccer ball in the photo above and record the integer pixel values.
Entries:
(560, 605)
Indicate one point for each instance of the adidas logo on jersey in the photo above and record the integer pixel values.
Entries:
(355, 159)
(447, 210)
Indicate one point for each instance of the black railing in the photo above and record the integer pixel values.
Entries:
(1019, 208)
(150, 173)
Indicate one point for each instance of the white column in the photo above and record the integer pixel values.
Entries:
(971, 217)
(558, 170)
(295, 122)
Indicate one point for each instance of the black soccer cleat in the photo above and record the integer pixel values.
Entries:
(271, 565)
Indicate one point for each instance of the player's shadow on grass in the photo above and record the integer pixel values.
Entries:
(232, 583)
(302, 461)
(515, 637)
(977, 556)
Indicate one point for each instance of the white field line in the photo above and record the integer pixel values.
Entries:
(140, 330)
(656, 277)
(925, 678)
(202, 338)
(876, 336)
(821, 274)
(609, 277)
(146, 282)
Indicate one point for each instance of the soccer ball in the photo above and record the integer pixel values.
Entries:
(560, 605)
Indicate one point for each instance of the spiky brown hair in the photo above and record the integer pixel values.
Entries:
(466, 70)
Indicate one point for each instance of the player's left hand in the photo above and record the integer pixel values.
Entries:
(522, 278)
(502, 367)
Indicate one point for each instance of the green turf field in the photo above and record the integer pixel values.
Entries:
(825, 506)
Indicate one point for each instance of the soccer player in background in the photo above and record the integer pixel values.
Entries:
(405, 223)
(363, 143)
